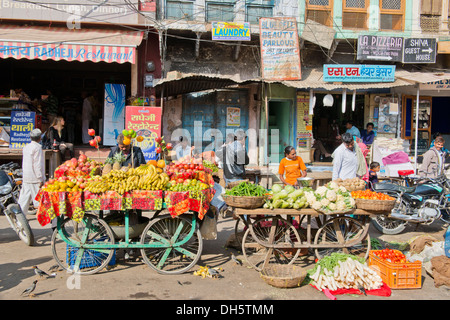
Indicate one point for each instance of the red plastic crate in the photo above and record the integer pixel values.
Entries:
(397, 275)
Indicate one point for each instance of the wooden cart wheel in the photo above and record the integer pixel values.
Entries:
(171, 245)
(339, 232)
(265, 232)
(68, 248)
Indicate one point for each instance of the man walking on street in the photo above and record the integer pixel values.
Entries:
(33, 170)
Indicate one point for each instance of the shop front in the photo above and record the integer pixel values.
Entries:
(68, 64)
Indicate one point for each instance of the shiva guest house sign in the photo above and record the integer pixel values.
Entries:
(383, 48)
(358, 73)
(146, 122)
(230, 31)
(22, 123)
(280, 53)
(419, 50)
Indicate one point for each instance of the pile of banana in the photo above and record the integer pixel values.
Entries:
(145, 178)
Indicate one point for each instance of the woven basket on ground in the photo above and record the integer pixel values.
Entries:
(283, 275)
(244, 202)
(375, 205)
(235, 183)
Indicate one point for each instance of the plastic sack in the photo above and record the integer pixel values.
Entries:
(429, 252)
(208, 229)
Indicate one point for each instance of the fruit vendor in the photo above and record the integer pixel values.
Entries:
(125, 147)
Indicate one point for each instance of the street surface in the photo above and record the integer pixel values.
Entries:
(132, 280)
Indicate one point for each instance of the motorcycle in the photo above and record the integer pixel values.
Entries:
(9, 194)
(424, 202)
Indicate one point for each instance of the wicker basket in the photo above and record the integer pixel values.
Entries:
(236, 183)
(375, 205)
(244, 202)
(283, 275)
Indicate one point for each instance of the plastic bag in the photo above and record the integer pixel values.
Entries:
(208, 229)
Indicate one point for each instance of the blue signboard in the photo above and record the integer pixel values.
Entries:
(358, 73)
(22, 122)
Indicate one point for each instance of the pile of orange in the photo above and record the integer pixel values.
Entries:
(370, 195)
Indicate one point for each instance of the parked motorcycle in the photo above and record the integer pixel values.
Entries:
(9, 194)
(424, 202)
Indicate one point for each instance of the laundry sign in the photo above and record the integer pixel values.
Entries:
(280, 53)
(231, 31)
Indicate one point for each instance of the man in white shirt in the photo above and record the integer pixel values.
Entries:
(33, 170)
(184, 148)
(345, 159)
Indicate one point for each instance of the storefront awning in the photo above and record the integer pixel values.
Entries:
(181, 83)
(72, 45)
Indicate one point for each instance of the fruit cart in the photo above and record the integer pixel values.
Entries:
(83, 242)
(272, 237)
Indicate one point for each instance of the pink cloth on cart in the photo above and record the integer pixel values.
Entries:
(395, 158)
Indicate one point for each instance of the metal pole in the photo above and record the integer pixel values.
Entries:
(416, 129)
(267, 132)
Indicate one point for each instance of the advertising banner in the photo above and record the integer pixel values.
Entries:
(114, 113)
(358, 73)
(231, 31)
(280, 53)
(385, 48)
(146, 122)
(22, 123)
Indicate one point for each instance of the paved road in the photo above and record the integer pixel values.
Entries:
(135, 280)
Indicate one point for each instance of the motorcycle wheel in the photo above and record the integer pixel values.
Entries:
(20, 225)
(387, 225)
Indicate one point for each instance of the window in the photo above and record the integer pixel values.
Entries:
(430, 15)
(256, 9)
(354, 14)
(220, 11)
(320, 11)
(391, 14)
(179, 10)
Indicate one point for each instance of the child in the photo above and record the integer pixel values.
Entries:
(291, 167)
(374, 168)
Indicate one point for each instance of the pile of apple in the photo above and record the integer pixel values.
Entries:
(184, 176)
(73, 174)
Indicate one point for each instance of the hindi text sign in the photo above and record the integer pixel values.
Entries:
(358, 73)
(146, 122)
(22, 123)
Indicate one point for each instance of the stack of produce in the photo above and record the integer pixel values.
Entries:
(344, 271)
(188, 176)
(351, 184)
(370, 195)
(286, 198)
(145, 177)
(330, 198)
(390, 255)
(247, 189)
(72, 175)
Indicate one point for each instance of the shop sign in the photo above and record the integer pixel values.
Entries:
(57, 51)
(419, 50)
(113, 113)
(358, 73)
(107, 12)
(146, 122)
(22, 123)
(436, 85)
(280, 53)
(231, 31)
(383, 48)
(147, 5)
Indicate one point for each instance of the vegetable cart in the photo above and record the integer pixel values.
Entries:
(83, 242)
(271, 236)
